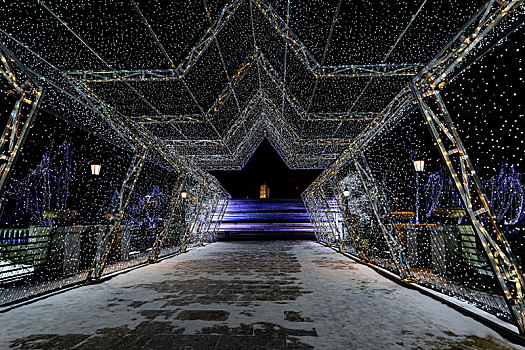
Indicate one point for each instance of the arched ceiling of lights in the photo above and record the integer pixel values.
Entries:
(210, 79)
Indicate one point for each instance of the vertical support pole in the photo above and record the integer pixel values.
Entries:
(104, 248)
(200, 216)
(161, 234)
(328, 214)
(417, 197)
(218, 220)
(225, 205)
(306, 201)
(383, 218)
(308, 205)
(469, 187)
(191, 227)
(209, 219)
(317, 211)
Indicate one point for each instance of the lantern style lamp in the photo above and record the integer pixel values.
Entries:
(419, 165)
(346, 193)
(183, 194)
(95, 169)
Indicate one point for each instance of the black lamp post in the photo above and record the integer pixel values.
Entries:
(419, 166)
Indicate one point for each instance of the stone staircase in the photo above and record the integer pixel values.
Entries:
(265, 219)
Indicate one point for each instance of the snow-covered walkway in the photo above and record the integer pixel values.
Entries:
(245, 295)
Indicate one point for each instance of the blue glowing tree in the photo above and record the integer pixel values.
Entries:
(505, 192)
(45, 187)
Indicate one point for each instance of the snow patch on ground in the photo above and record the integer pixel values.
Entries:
(294, 294)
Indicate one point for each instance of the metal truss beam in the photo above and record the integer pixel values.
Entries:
(244, 115)
(394, 112)
(167, 119)
(350, 225)
(434, 75)
(29, 94)
(224, 17)
(329, 215)
(325, 141)
(119, 76)
(200, 221)
(301, 111)
(316, 210)
(379, 70)
(86, 77)
(382, 214)
(347, 71)
(233, 83)
(171, 215)
(225, 70)
(312, 213)
(165, 74)
(218, 219)
(191, 142)
(467, 182)
(135, 75)
(284, 126)
(160, 75)
(208, 221)
(488, 46)
(114, 228)
(140, 138)
(438, 71)
(339, 116)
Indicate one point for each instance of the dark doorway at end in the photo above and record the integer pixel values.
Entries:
(266, 167)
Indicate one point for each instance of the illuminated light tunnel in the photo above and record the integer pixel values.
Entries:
(394, 149)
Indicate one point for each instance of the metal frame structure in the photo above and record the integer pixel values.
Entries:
(217, 217)
(264, 115)
(194, 223)
(424, 92)
(220, 154)
(171, 215)
(28, 92)
(348, 71)
(382, 213)
(469, 187)
(114, 228)
(348, 222)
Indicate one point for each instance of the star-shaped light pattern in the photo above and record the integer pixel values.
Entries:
(247, 76)
(202, 84)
